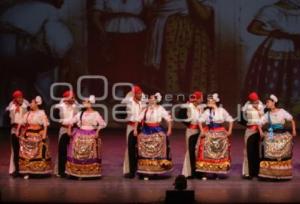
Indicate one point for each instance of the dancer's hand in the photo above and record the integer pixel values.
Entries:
(294, 133)
(69, 132)
(169, 133)
(44, 135)
(201, 135)
(135, 133)
(262, 135)
(228, 133)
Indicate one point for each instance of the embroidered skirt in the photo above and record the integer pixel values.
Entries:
(153, 151)
(34, 157)
(214, 152)
(276, 162)
(84, 154)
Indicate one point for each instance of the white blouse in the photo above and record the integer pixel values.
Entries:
(252, 115)
(89, 120)
(193, 112)
(67, 112)
(219, 115)
(38, 117)
(133, 109)
(155, 115)
(16, 117)
(123, 24)
(275, 17)
(278, 117)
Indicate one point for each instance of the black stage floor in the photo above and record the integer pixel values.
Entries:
(113, 188)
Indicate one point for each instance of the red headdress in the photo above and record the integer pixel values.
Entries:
(253, 96)
(17, 94)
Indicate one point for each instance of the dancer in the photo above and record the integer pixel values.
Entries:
(34, 155)
(153, 142)
(194, 111)
(134, 108)
(276, 161)
(84, 149)
(68, 108)
(276, 62)
(17, 109)
(253, 110)
(214, 143)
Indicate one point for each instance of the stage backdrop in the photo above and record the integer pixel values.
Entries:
(170, 46)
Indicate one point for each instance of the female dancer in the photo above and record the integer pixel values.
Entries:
(84, 149)
(153, 143)
(214, 142)
(276, 161)
(34, 156)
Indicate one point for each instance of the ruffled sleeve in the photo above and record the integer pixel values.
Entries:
(267, 15)
(226, 116)
(43, 118)
(165, 114)
(204, 117)
(287, 116)
(264, 119)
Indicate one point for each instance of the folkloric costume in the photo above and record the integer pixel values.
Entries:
(66, 114)
(192, 134)
(276, 161)
(134, 109)
(153, 143)
(214, 147)
(276, 63)
(252, 137)
(84, 149)
(34, 156)
(16, 114)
